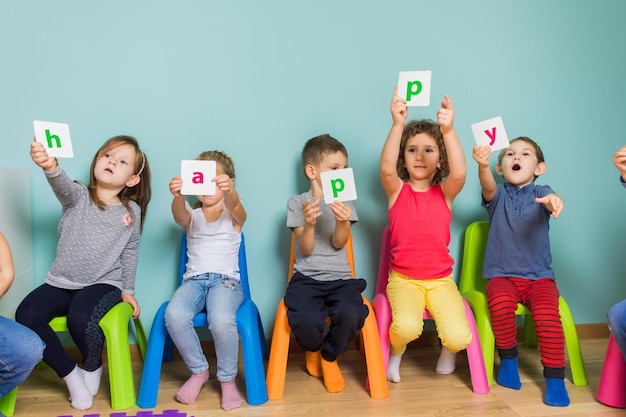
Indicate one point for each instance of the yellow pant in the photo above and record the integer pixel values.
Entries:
(408, 297)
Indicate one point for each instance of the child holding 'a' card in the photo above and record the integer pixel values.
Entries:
(322, 284)
(96, 258)
(517, 261)
(422, 169)
(211, 281)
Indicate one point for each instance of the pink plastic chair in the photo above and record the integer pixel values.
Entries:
(382, 309)
(612, 386)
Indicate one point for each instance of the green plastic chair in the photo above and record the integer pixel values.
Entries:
(7, 403)
(472, 287)
(115, 325)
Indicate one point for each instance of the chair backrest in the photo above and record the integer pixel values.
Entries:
(349, 252)
(243, 264)
(384, 260)
(473, 256)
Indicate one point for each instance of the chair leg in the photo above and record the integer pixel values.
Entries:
(153, 361)
(376, 374)
(612, 384)
(279, 353)
(576, 363)
(475, 358)
(247, 319)
(114, 324)
(382, 310)
(7, 403)
(142, 341)
(478, 303)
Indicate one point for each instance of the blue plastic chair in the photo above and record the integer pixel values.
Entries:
(253, 343)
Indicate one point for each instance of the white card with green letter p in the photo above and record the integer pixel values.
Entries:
(55, 137)
(414, 87)
(197, 177)
(338, 185)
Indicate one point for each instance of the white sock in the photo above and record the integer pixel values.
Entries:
(393, 367)
(92, 380)
(80, 397)
(446, 362)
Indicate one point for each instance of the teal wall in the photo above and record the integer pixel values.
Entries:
(258, 78)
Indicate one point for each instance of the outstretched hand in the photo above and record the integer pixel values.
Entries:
(445, 115)
(341, 211)
(40, 156)
(619, 160)
(399, 111)
(311, 211)
(481, 153)
(553, 202)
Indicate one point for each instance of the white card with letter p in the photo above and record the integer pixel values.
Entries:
(197, 177)
(55, 137)
(414, 87)
(491, 132)
(338, 185)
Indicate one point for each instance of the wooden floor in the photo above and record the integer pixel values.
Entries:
(421, 392)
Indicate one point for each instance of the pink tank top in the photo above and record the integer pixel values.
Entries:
(419, 224)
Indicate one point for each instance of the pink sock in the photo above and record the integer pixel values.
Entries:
(230, 396)
(190, 390)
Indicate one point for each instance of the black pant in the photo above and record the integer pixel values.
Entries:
(310, 302)
(84, 308)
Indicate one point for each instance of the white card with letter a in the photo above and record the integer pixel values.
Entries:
(197, 177)
(414, 87)
(491, 132)
(338, 185)
(55, 137)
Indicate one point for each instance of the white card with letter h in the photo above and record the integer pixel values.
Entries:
(55, 137)
(338, 185)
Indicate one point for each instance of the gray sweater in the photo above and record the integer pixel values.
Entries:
(95, 246)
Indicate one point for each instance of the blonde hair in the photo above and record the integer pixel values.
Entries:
(222, 159)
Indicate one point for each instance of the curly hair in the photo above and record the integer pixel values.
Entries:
(432, 129)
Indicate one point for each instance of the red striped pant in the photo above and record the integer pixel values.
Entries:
(542, 299)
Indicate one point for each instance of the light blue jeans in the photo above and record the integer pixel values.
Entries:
(20, 350)
(221, 296)
(617, 325)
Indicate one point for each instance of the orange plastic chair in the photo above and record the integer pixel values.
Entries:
(279, 349)
(480, 383)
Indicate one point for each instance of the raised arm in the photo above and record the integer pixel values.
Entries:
(481, 154)
(305, 235)
(182, 216)
(232, 200)
(341, 233)
(453, 184)
(389, 178)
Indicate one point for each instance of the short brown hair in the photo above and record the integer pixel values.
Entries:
(316, 148)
